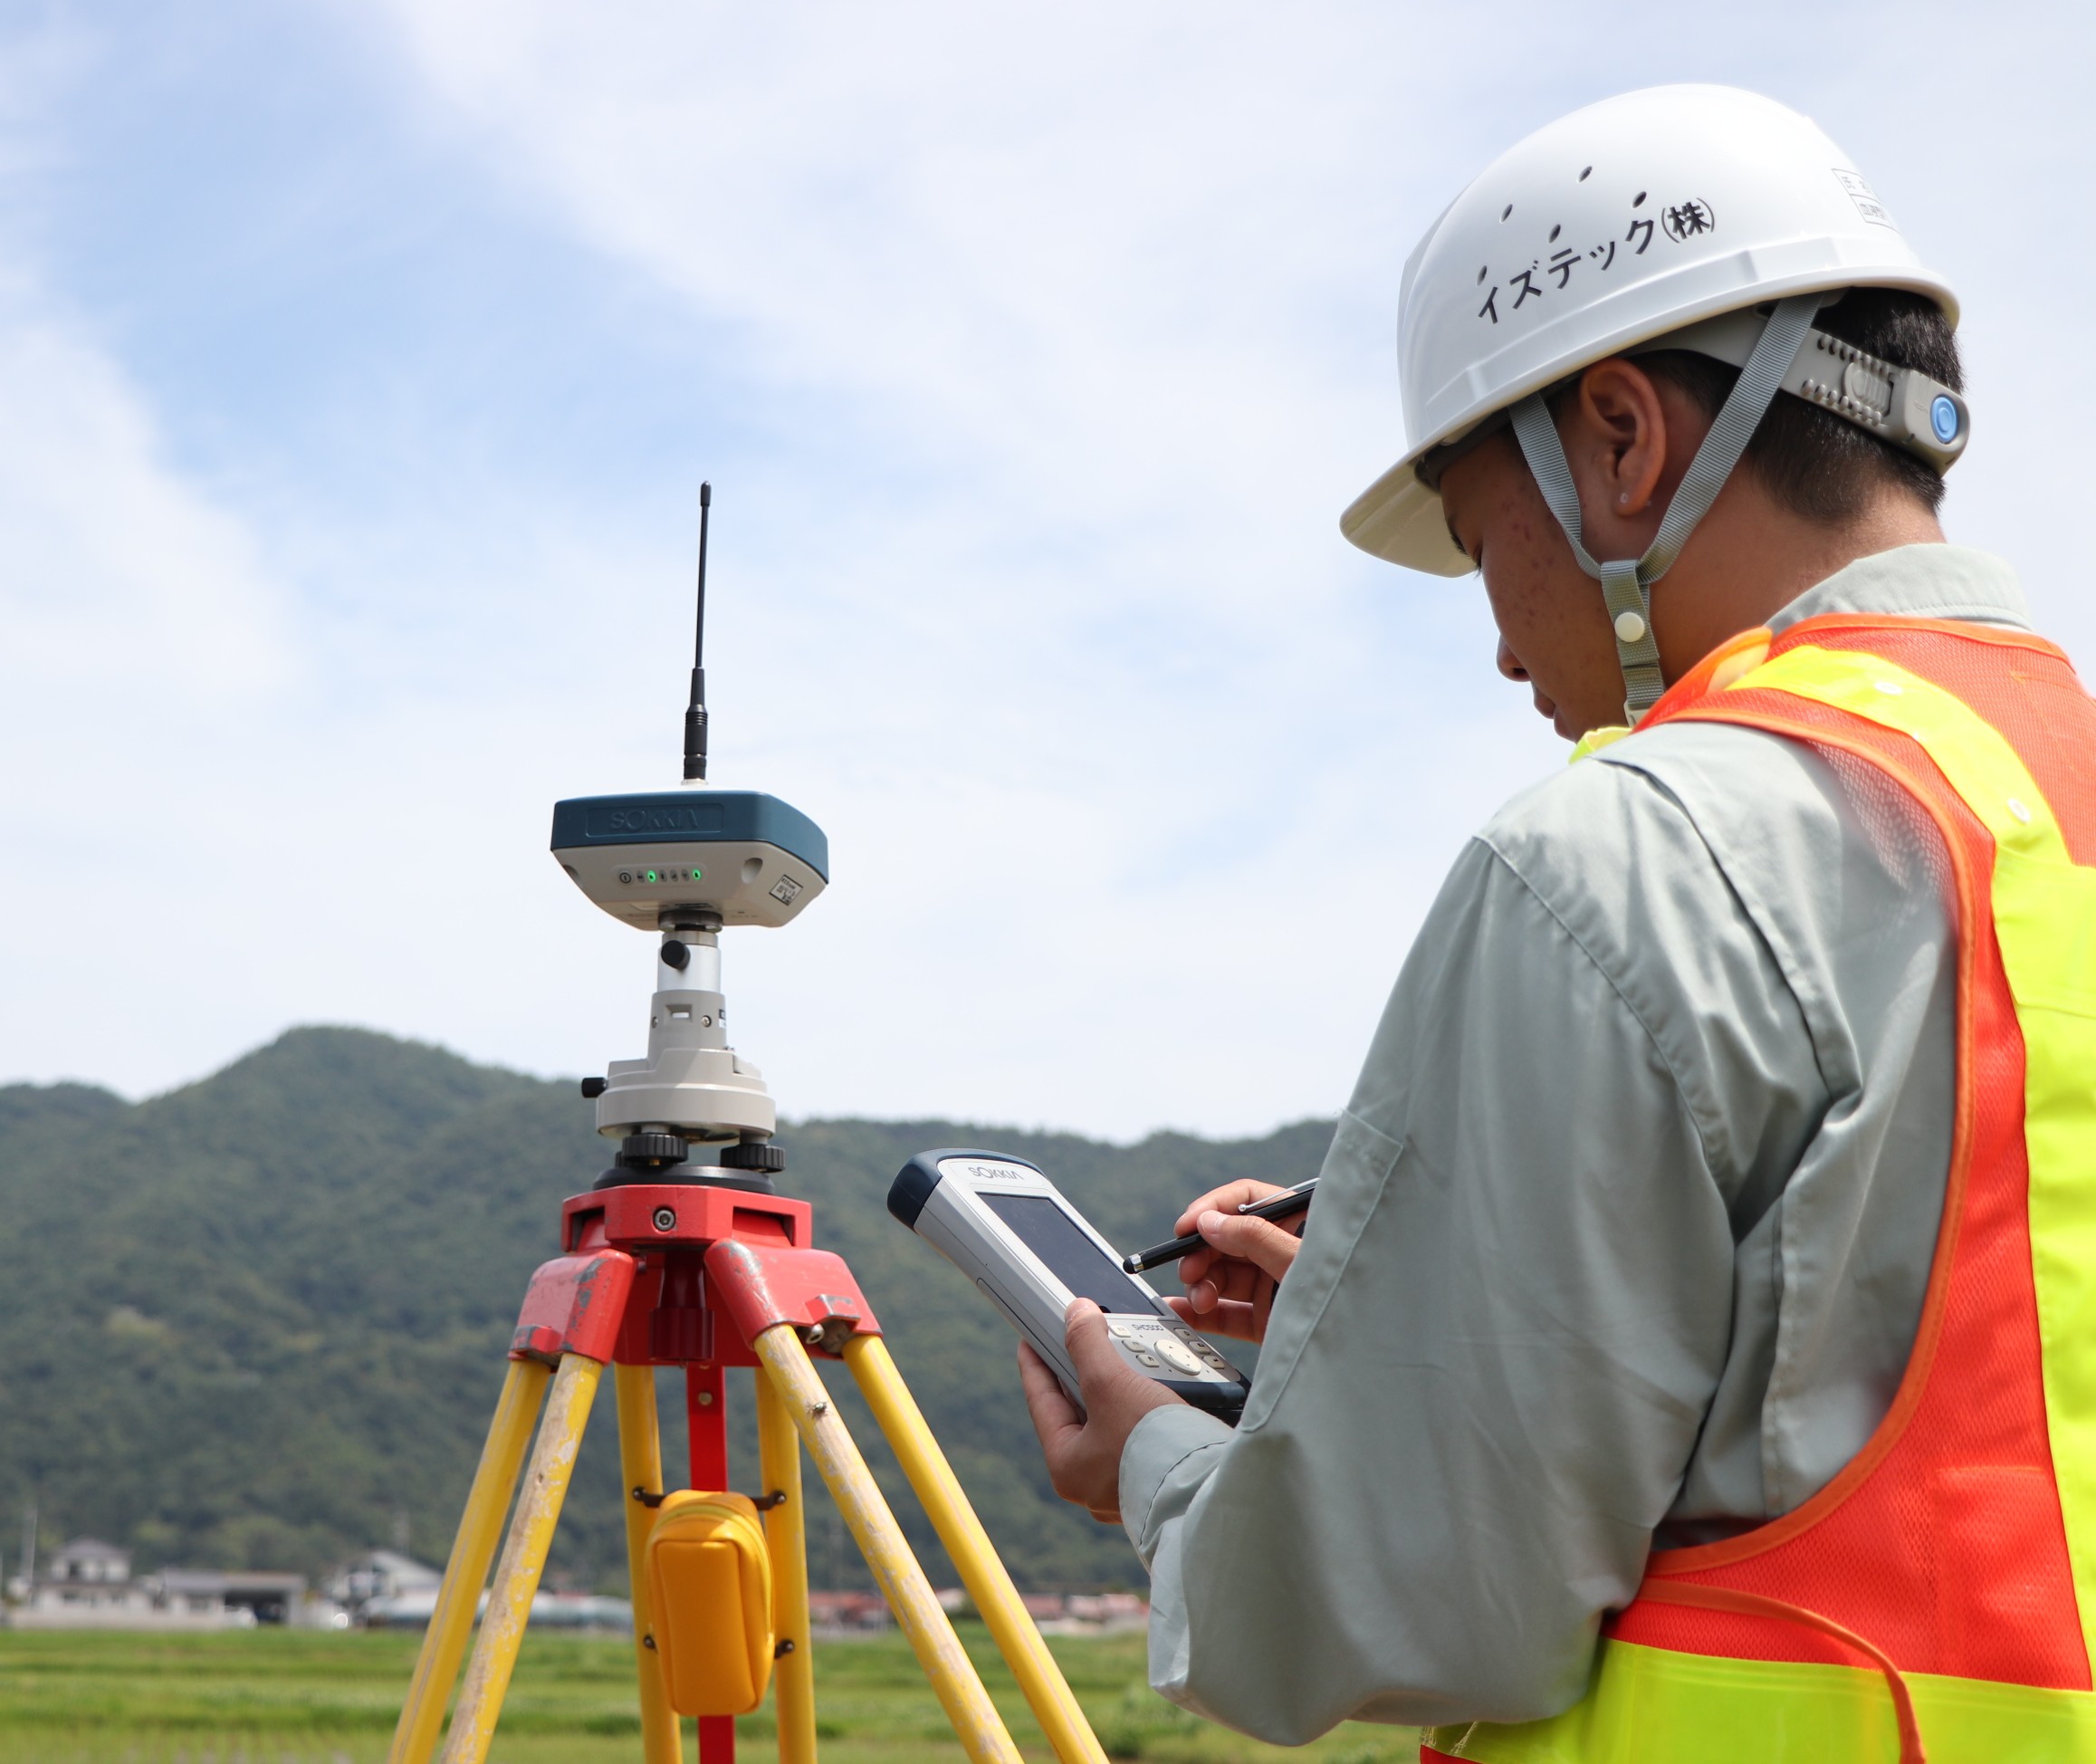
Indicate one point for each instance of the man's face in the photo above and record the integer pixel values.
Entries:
(1554, 629)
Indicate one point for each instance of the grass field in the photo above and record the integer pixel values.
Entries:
(275, 1696)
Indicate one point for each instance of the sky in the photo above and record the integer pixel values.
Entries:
(359, 365)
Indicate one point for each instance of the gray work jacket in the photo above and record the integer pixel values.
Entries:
(1623, 1237)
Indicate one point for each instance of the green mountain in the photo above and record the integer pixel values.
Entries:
(260, 1321)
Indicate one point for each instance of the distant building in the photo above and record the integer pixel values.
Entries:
(1108, 1611)
(381, 1575)
(88, 1562)
(384, 1590)
(414, 1608)
(89, 1584)
(844, 1613)
(265, 1596)
(1086, 1613)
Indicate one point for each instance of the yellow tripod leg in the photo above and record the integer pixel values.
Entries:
(443, 1643)
(495, 1655)
(982, 1571)
(786, 1530)
(976, 1723)
(640, 1467)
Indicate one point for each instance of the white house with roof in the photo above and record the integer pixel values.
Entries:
(382, 1574)
(89, 1581)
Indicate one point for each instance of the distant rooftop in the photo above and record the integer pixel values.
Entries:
(91, 1549)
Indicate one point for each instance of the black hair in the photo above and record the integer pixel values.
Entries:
(1815, 464)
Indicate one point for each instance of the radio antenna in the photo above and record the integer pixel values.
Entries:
(695, 711)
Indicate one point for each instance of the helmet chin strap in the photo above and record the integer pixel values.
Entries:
(1626, 585)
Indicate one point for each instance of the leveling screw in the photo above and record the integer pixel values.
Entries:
(665, 1219)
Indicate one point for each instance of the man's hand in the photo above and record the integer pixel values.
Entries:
(1084, 1454)
(1230, 1288)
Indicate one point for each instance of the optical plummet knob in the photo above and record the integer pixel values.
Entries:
(594, 1088)
(751, 1155)
(651, 1149)
(1630, 626)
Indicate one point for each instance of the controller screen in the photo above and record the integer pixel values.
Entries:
(1070, 1256)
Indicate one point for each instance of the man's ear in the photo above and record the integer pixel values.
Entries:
(1616, 439)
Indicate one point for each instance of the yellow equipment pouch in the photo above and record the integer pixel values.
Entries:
(709, 1598)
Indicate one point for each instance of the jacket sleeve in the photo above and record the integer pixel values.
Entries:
(1485, 1373)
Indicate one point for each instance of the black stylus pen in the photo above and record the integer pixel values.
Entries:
(1276, 1206)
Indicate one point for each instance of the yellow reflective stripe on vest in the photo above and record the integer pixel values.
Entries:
(2044, 915)
(1656, 1706)
(1968, 749)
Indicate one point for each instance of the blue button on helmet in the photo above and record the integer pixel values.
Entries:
(1943, 419)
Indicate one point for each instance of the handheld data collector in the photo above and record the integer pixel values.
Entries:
(1007, 1227)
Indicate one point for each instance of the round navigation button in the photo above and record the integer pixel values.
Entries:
(1176, 1353)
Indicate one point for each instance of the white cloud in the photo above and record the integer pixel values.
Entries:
(145, 641)
(119, 582)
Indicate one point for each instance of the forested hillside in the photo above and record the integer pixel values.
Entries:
(260, 1321)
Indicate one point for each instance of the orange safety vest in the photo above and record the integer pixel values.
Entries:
(1938, 1596)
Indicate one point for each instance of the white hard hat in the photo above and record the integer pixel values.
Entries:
(1614, 227)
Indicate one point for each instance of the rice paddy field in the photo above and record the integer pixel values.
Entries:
(302, 1697)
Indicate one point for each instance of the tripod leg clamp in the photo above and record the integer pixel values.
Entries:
(574, 1306)
(761, 1285)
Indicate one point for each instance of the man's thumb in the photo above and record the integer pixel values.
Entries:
(1084, 1334)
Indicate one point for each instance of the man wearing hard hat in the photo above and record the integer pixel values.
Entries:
(1692, 1351)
